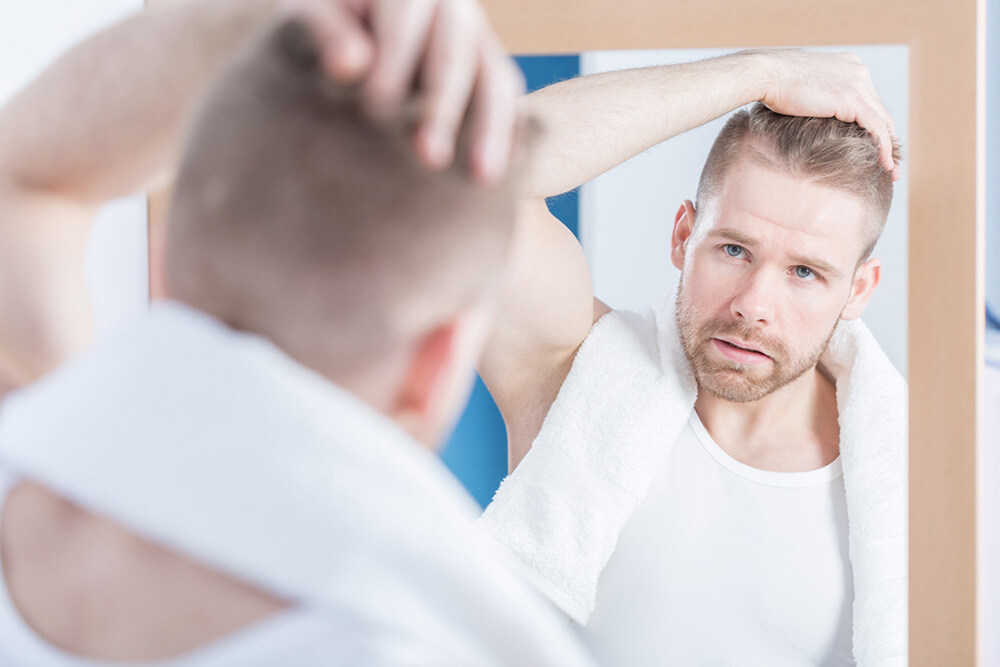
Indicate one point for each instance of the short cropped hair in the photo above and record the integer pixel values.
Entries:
(825, 150)
(295, 213)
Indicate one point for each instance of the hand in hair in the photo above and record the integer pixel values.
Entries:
(829, 85)
(444, 46)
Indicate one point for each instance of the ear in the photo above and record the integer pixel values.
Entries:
(424, 382)
(683, 228)
(866, 278)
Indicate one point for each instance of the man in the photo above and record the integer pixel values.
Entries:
(167, 522)
(240, 476)
(694, 452)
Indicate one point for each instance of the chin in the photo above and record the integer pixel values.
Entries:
(734, 391)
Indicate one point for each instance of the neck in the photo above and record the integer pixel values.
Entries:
(792, 429)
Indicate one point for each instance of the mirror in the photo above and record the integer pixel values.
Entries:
(624, 220)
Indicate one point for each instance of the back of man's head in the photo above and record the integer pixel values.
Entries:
(824, 150)
(298, 216)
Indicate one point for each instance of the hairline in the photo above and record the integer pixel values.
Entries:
(751, 150)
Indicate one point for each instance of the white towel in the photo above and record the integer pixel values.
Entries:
(219, 446)
(625, 400)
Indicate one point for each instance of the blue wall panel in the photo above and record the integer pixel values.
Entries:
(477, 450)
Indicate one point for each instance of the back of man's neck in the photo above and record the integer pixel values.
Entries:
(793, 429)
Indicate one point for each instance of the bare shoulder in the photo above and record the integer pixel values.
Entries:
(91, 587)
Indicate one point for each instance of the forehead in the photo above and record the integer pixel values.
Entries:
(787, 211)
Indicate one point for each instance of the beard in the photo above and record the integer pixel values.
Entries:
(731, 380)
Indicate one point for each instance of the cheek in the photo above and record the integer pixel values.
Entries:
(708, 290)
(814, 315)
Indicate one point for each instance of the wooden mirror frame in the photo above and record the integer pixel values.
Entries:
(946, 165)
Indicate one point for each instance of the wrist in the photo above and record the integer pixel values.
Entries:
(758, 74)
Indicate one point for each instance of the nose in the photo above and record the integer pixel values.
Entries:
(754, 302)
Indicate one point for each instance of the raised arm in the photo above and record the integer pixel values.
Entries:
(105, 121)
(100, 123)
(594, 123)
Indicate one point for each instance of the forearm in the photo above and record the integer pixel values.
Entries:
(594, 123)
(104, 120)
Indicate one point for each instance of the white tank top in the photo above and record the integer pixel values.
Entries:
(725, 564)
(293, 637)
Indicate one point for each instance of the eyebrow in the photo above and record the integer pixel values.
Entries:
(733, 235)
(743, 239)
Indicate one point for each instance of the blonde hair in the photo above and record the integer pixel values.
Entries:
(826, 150)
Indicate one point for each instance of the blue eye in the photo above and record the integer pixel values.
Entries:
(804, 272)
(733, 250)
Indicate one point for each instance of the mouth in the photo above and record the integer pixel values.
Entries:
(739, 352)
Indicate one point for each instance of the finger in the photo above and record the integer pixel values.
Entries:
(498, 88)
(448, 75)
(348, 54)
(873, 120)
(884, 132)
(891, 139)
(345, 47)
(359, 8)
(890, 124)
(894, 137)
(886, 116)
(401, 32)
(862, 112)
(887, 137)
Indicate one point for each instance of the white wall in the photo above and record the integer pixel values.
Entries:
(626, 215)
(32, 35)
